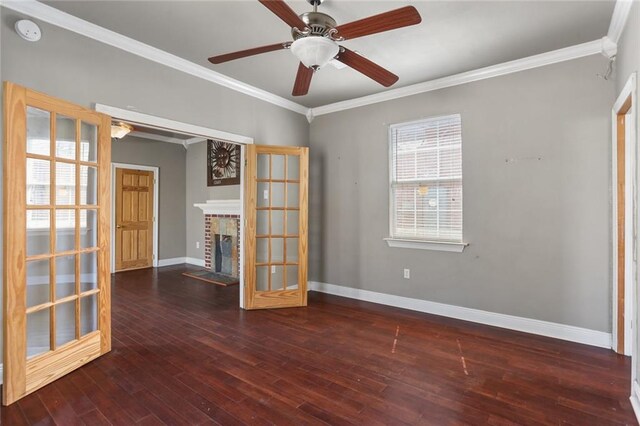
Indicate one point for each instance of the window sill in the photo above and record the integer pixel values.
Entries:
(426, 245)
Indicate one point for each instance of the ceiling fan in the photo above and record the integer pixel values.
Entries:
(315, 41)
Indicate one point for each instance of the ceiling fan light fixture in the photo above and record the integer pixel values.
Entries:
(120, 130)
(314, 51)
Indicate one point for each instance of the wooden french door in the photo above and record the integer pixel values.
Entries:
(57, 302)
(276, 194)
(134, 219)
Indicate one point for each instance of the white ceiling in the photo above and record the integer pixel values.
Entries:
(454, 37)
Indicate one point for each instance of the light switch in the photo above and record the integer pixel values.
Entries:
(265, 194)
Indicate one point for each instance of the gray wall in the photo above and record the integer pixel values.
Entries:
(171, 160)
(628, 62)
(538, 229)
(85, 72)
(628, 56)
(297, 134)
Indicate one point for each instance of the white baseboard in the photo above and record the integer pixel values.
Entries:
(194, 261)
(172, 261)
(635, 402)
(180, 260)
(527, 325)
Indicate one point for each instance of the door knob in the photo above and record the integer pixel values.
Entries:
(118, 226)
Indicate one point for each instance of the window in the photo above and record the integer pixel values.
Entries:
(38, 185)
(426, 180)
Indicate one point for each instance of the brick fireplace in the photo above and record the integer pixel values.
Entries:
(222, 244)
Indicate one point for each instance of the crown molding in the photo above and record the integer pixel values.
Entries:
(72, 23)
(609, 47)
(310, 115)
(619, 19)
(606, 46)
(195, 140)
(566, 54)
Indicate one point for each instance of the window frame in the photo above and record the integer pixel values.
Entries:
(428, 243)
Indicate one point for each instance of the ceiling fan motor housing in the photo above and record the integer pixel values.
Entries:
(319, 24)
(316, 45)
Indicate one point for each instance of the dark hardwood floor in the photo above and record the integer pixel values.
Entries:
(184, 353)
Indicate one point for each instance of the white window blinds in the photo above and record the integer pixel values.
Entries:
(426, 179)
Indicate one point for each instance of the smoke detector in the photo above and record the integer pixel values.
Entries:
(28, 30)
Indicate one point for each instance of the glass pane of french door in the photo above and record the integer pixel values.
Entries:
(57, 284)
(278, 209)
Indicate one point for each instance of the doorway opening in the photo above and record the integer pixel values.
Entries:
(167, 130)
(624, 217)
(270, 213)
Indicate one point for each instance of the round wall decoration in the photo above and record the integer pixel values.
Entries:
(223, 163)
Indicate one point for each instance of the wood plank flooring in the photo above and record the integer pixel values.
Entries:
(184, 354)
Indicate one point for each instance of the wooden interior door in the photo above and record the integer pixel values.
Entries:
(57, 306)
(276, 195)
(134, 219)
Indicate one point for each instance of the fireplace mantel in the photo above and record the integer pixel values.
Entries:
(220, 207)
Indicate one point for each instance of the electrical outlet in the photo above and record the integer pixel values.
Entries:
(273, 269)
(407, 273)
(265, 194)
(197, 244)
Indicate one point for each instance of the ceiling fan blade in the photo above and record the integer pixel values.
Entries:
(244, 53)
(366, 67)
(391, 20)
(284, 12)
(303, 80)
